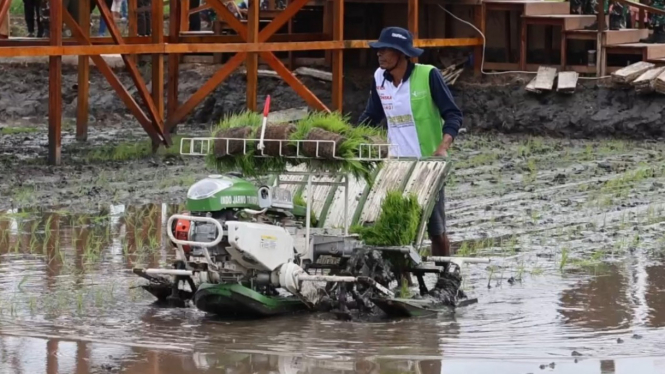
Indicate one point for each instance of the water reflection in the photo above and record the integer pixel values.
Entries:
(67, 298)
(88, 358)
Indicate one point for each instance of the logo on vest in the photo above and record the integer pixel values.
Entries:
(419, 94)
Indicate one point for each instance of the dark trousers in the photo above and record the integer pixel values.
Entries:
(31, 10)
(143, 23)
(93, 4)
(194, 19)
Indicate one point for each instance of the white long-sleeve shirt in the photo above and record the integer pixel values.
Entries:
(115, 7)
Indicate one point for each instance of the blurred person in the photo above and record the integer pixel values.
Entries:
(31, 13)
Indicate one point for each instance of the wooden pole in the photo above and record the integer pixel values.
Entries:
(4, 16)
(327, 29)
(83, 78)
(413, 21)
(338, 56)
(132, 20)
(55, 83)
(184, 15)
(158, 64)
(600, 45)
(252, 62)
(480, 12)
(4, 19)
(174, 61)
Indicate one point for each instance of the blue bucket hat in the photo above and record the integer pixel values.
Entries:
(399, 39)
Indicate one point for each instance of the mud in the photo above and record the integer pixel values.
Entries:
(575, 229)
(493, 103)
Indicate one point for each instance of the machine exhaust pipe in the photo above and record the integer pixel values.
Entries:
(186, 273)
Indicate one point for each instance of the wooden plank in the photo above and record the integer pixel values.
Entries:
(545, 78)
(55, 86)
(338, 56)
(128, 49)
(659, 84)
(158, 65)
(318, 74)
(83, 77)
(631, 72)
(567, 81)
(645, 83)
(252, 62)
(546, 8)
(531, 86)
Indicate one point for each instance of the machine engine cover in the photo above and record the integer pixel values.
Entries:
(259, 246)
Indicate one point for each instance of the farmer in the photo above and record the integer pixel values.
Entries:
(413, 99)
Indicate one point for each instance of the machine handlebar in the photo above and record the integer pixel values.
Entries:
(218, 238)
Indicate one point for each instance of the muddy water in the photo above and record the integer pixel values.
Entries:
(576, 285)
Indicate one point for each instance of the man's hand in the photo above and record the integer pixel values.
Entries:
(442, 150)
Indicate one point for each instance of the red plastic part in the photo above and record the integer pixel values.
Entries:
(181, 232)
(266, 107)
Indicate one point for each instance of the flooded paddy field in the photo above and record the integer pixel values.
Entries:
(576, 230)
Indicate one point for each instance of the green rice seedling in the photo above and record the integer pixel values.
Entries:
(565, 254)
(232, 126)
(397, 223)
(492, 270)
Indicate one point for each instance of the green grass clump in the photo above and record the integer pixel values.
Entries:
(397, 223)
(253, 166)
(127, 151)
(17, 130)
(245, 163)
(355, 136)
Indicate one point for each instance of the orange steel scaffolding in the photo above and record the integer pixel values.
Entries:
(249, 45)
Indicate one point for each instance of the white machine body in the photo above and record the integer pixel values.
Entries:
(259, 246)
